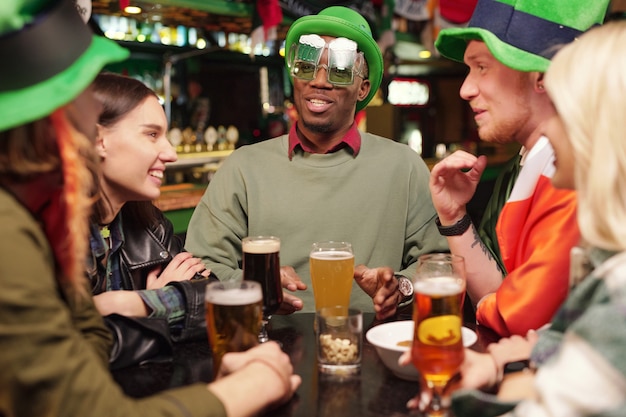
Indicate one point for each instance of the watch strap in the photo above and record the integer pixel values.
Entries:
(457, 228)
(516, 366)
(405, 301)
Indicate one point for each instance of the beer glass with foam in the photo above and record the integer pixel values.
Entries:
(437, 350)
(261, 263)
(332, 270)
(234, 312)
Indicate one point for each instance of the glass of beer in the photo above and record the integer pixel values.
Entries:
(234, 312)
(261, 263)
(437, 351)
(332, 270)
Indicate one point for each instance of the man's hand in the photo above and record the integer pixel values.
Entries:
(382, 286)
(290, 281)
(453, 182)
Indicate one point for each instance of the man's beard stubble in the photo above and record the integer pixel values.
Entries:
(505, 131)
(316, 127)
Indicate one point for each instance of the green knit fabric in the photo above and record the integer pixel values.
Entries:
(379, 201)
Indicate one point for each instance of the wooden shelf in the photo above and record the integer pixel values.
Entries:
(179, 196)
(198, 158)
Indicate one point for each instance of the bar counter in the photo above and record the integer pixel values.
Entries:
(375, 392)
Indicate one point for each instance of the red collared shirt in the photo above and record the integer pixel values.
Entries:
(352, 139)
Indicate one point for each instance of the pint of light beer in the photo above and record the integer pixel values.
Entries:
(437, 350)
(332, 270)
(234, 311)
(437, 342)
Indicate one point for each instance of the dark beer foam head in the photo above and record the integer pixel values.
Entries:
(261, 246)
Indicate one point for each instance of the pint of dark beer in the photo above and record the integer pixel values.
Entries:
(234, 312)
(261, 263)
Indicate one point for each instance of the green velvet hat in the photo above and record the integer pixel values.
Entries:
(339, 21)
(49, 56)
(523, 34)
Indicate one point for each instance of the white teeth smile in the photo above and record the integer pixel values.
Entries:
(156, 174)
(318, 102)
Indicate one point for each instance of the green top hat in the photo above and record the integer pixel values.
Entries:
(339, 21)
(49, 56)
(523, 34)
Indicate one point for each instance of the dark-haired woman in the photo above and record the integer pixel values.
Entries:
(137, 265)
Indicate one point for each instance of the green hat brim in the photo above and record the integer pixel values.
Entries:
(25, 105)
(452, 42)
(332, 26)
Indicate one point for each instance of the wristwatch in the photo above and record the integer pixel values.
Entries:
(457, 229)
(516, 366)
(405, 286)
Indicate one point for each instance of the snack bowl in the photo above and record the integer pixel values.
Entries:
(391, 340)
(394, 338)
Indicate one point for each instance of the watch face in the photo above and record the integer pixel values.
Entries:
(406, 287)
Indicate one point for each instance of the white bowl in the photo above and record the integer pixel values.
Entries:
(385, 338)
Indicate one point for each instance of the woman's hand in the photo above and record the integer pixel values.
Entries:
(126, 303)
(478, 371)
(514, 348)
(482, 370)
(248, 382)
(182, 267)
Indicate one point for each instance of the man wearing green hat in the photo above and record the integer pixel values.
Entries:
(324, 180)
(518, 262)
(55, 346)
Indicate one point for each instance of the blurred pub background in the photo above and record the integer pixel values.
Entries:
(218, 67)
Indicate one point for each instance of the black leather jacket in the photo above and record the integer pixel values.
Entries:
(142, 251)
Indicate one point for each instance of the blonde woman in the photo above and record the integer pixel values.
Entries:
(580, 360)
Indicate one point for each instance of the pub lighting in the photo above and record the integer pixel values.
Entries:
(132, 9)
(425, 54)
